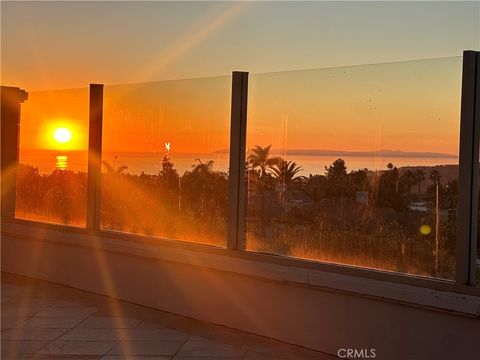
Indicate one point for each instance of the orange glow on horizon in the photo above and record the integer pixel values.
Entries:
(408, 106)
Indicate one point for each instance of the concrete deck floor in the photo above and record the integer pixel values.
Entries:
(41, 320)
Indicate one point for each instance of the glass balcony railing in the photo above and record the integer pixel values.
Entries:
(53, 157)
(356, 165)
(165, 159)
(350, 165)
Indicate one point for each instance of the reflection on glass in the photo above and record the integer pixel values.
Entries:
(51, 178)
(165, 159)
(356, 165)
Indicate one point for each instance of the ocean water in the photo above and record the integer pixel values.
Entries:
(151, 163)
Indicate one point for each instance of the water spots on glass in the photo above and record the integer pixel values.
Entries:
(425, 229)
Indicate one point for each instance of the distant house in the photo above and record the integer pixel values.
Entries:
(418, 206)
(362, 197)
(296, 199)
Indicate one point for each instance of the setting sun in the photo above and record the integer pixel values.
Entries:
(62, 135)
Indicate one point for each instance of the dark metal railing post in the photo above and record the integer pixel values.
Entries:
(94, 156)
(11, 99)
(468, 170)
(238, 133)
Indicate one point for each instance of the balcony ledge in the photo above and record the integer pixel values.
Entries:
(219, 259)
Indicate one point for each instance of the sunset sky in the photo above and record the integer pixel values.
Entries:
(406, 106)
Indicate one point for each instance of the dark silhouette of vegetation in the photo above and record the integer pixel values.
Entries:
(337, 184)
(418, 178)
(389, 192)
(168, 176)
(205, 192)
(435, 177)
(60, 196)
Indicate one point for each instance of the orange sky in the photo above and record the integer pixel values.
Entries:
(44, 111)
(409, 106)
(65, 44)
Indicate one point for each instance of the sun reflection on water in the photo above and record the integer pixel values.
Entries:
(62, 162)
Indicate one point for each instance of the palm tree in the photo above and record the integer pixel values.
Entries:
(285, 172)
(407, 180)
(260, 159)
(202, 167)
(112, 170)
(435, 177)
(122, 169)
(419, 176)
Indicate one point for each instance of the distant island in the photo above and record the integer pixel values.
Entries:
(379, 153)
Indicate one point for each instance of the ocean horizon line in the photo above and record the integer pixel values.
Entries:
(277, 152)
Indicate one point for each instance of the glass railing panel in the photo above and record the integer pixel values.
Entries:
(53, 160)
(356, 165)
(165, 159)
